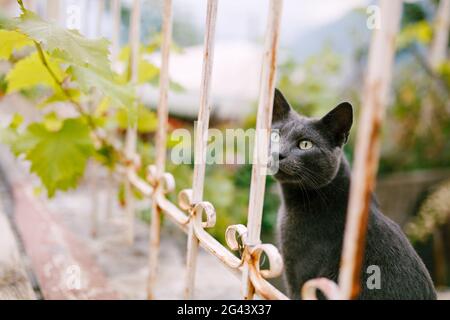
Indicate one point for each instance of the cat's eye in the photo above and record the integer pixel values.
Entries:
(305, 144)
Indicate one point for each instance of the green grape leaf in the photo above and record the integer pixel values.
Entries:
(58, 157)
(30, 72)
(87, 79)
(12, 40)
(68, 45)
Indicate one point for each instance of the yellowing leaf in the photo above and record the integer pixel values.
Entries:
(12, 40)
(147, 71)
(16, 121)
(58, 157)
(59, 96)
(68, 45)
(147, 120)
(102, 107)
(30, 72)
(52, 122)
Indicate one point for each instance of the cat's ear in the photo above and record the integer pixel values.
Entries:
(339, 121)
(281, 107)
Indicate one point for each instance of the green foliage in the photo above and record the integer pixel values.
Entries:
(419, 32)
(67, 45)
(412, 13)
(58, 152)
(407, 146)
(3, 85)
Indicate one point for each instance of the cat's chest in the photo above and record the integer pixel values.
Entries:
(309, 227)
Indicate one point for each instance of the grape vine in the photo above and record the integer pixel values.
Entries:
(66, 67)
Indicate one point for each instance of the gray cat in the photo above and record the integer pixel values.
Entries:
(314, 178)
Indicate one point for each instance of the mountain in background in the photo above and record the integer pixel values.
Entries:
(343, 36)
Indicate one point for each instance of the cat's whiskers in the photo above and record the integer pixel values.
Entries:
(313, 182)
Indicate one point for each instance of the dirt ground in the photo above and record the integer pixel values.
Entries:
(126, 266)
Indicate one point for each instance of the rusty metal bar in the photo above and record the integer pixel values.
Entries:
(100, 9)
(115, 48)
(131, 137)
(381, 57)
(263, 125)
(53, 10)
(201, 140)
(439, 45)
(437, 54)
(94, 192)
(161, 141)
(95, 183)
(115, 39)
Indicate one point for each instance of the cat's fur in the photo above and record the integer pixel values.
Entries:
(314, 186)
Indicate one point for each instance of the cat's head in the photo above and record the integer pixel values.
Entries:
(310, 149)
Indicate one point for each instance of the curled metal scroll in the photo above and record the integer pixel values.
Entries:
(202, 209)
(165, 182)
(329, 288)
(275, 261)
(252, 254)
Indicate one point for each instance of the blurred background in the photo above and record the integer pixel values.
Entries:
(322, 62)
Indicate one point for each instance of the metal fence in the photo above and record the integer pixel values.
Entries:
(193, 215)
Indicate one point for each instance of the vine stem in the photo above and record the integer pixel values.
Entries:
(76, 104)
(60, 84)
(22, 7)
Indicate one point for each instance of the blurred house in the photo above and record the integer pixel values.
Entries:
(235, 84)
